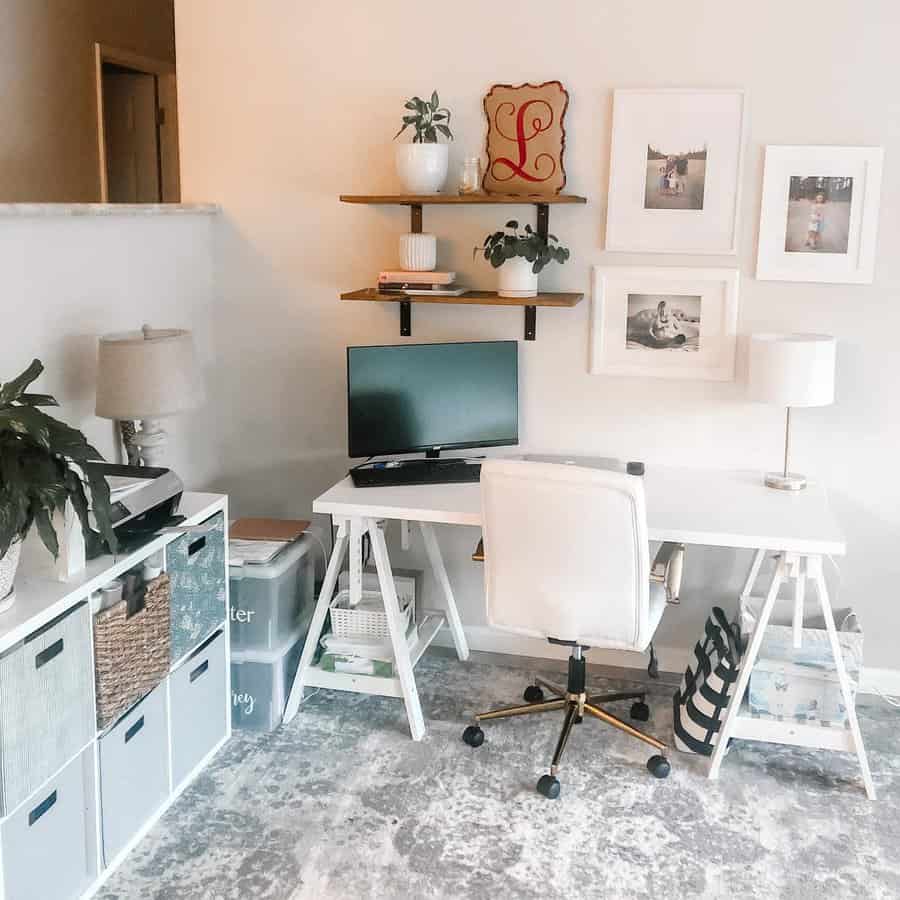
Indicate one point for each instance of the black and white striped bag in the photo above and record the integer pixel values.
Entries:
(699, 704)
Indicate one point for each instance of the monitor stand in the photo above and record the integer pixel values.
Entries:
(433, 453)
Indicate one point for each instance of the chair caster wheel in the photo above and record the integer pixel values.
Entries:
(658, 766)
(579, 720)
(473, 736)
(548, 786)
(640, 711)
(533, 694)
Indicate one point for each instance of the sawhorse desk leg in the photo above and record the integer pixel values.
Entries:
(802, 569)
(352, 530)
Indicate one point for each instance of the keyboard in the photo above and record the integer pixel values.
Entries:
(416, 471)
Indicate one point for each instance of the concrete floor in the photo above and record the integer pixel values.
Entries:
(341, 804)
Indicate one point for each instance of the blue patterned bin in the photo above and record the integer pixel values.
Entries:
(196, 566)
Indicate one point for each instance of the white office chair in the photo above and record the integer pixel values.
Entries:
(567, 559)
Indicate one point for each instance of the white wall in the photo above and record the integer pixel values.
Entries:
(67, 280)
(286, 105)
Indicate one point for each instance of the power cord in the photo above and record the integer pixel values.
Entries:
(891, 701)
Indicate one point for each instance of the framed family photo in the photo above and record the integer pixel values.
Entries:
(675, 170)
(664, 322)
(819, 217)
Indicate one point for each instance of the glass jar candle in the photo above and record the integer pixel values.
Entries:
(470, 176)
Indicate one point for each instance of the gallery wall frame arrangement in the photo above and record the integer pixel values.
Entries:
(819, 214)
(675, 170)
(526, 138)
(664, 322)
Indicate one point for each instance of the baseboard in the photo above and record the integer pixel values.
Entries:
(671, 659)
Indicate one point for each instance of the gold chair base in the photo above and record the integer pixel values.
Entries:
(575, 706)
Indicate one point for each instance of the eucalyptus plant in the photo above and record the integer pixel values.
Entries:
(42, 468)
(503, 245)
(428, 118)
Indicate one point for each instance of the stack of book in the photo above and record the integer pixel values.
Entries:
(441, 284)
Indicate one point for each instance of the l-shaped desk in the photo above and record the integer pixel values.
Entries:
(710, 507)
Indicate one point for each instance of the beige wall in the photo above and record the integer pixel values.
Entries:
(48, 142)
(284, 105)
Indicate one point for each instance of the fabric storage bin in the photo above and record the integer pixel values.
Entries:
(269, 603)
(134, 770)
(49, 842)
(195, 562)
(260, 683)
(801, 683)
(198, 694)
(46, 703)
(131, 649)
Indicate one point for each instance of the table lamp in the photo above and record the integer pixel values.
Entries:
(791, 370)
(146, 375)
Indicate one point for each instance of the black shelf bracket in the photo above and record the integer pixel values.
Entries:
(405, 318)
(543, 220)
(415, 218)
(530, 323)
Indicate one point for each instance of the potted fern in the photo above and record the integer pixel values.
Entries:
(422, 165)
(521, 256)
(40, 476)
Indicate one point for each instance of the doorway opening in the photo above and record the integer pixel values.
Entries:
(137, 128)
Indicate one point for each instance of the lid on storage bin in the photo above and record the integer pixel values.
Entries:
(283, 561)
(276, 653)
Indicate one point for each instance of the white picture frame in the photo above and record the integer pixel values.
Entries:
(679, 122)
(841, 228)
(699, 344)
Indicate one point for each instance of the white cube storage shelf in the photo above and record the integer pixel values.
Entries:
(72, 801)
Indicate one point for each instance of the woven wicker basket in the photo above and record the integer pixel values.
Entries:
(131, 653)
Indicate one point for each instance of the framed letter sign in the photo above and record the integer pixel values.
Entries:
(525, 138)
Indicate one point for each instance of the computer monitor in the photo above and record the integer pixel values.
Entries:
(414, 397)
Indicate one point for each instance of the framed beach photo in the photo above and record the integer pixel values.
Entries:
(819, 216)
(664, 322)
(675, 170)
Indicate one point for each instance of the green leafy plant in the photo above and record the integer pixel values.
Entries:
(428, 118)
(503, 245)
(42, 468)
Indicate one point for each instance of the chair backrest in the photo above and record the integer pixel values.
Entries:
(566, 553)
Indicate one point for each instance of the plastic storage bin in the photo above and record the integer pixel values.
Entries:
(260, 683)
(196, 566)
(46, 704)
(272, 602)
(197, 692)
(134, 770)
(49, 845)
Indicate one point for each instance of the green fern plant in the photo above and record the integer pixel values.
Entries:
(428, 118)
(41, 469)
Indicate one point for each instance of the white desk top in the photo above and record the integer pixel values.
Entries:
(695, 506)
(40, 597)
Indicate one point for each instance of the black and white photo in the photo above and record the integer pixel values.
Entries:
(663, 322)
(818, 219)
(676, 177)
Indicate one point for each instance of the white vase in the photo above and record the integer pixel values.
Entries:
(422, 167)
(9, 562)
(517, 279)
(418, 252)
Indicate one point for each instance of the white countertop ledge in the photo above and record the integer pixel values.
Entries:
(108, 209)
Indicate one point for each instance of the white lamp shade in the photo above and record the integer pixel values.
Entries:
(792, 369)
(147, 374)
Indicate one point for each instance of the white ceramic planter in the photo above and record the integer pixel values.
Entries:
(9, 562)
(422, 167)
(418, 252)
(517, 279)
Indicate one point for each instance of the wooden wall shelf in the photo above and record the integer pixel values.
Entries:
(446, 199)
(415, 202)
(470, 298)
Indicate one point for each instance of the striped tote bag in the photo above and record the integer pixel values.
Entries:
(699, 704)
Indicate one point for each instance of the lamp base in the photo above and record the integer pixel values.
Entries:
(789, 481)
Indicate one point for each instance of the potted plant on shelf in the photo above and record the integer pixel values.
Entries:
(521, 256)
(40, 475)
(422, 165)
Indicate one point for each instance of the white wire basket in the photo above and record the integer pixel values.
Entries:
(366, 620)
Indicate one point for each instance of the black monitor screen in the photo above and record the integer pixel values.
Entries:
(416, 397)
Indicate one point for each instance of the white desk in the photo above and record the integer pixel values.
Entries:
(716, 508)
